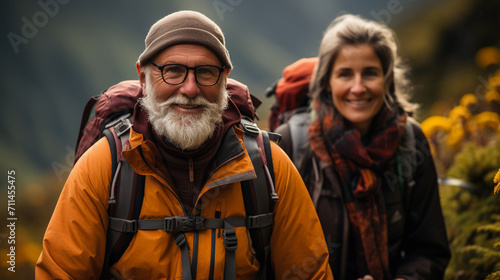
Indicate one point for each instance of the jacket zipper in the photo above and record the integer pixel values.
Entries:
(191, 170)
(212, 254)
(161, 179)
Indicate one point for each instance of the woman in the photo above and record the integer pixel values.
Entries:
(380, 219)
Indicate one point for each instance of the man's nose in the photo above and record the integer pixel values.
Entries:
(190, 87)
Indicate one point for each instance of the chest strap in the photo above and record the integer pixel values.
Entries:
(186, 224)
(179, 225)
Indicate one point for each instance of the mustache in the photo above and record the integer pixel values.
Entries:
(184, 101)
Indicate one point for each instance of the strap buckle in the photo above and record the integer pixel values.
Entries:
(260, 221)
(129, 226)
(182, 224)
(121, 124)
(250, 127)
(180, 239)
(122, 225)
(230, 239)
(122, 127)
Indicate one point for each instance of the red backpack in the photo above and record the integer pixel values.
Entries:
(291, 92)
(110, 115)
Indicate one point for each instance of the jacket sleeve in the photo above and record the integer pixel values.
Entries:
(75, 240)
(425, 241)
(298, 247)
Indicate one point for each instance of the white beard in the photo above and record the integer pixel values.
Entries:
(186, 131)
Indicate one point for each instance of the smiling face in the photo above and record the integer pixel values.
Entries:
(357, 85)
(186, 114)
(189, 55)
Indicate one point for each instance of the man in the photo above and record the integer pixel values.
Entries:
(184, 122)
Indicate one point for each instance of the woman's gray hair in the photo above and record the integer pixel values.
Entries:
(349, 30)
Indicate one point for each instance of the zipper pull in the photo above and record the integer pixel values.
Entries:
(191, 170)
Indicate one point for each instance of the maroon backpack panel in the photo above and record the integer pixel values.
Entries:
(115, 101)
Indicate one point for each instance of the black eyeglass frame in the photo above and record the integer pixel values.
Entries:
(187, 72)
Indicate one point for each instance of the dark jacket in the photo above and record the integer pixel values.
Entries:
(417, 241)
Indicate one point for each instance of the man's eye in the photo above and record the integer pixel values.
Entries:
(207, 70)
(173, 70)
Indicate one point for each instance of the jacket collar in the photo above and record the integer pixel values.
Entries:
(232, 163)
(231, 148)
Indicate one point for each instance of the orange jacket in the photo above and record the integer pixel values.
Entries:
(74, 242)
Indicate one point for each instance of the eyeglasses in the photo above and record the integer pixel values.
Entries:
(175, 74)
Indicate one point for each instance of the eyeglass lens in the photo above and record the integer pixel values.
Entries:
(205, 74)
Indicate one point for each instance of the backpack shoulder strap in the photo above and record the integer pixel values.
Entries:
(126, 193)
(259, 194)
(298, 124)
(406, 161)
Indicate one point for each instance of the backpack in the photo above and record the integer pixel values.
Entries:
(110, 115)
(291, 107)
(291, 92)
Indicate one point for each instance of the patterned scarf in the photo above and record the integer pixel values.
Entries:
(358, 162)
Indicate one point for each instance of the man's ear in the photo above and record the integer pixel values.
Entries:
(142, 76)
(225, 76)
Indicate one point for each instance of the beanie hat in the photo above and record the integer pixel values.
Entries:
(185, 27)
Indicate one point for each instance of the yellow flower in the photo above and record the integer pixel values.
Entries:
(459, 113)
(468, 99)
(496, 180)
(487, 56)
(487, 119)
(491, 96)
(494, 83)
(455, 137)
(435, 123)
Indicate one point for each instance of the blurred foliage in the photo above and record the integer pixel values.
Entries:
(465, 144)
(442, 47)
(475, 121)
(33, 207)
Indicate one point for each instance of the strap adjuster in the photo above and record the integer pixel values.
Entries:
(129, 226)
(121, 124)
(122, 127)
(230, 239)
(260, 221)
(183, 224)
(122, 225)
(180, 239)
(250, 127)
